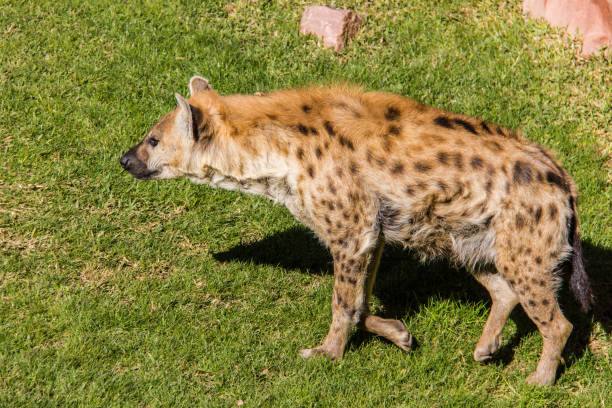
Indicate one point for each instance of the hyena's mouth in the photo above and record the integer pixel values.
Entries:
(137, 167)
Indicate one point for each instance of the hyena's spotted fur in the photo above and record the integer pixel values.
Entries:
(361, 169)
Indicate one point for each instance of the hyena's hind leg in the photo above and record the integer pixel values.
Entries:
(504, 299)
(537, 294)
(529, 265)
(393, 330)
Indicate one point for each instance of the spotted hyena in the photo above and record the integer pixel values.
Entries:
(361, 169)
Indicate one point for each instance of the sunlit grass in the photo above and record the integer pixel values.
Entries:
(116, 292)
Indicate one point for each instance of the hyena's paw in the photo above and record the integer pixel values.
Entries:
(543, 378)
(393, 330)
(397, 333)
(545, 373)
(484, 352)
(331, 354)
(405, 342)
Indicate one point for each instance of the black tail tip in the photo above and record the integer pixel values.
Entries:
(582, 295)
(579, 283)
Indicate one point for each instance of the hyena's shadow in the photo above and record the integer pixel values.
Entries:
(404, 285)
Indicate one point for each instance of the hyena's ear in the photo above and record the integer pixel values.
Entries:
(198, 84)
(192, 121)
(184, 120)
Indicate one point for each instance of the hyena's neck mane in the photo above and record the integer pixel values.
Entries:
(243, 152)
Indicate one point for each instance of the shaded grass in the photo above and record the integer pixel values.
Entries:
(123, 293)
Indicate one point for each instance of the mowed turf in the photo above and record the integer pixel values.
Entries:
(118, 292)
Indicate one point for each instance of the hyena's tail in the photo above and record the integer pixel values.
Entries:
(579, 282)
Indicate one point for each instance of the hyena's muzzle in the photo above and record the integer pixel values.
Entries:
(135, 165)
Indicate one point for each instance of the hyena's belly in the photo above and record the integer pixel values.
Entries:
(463, 233)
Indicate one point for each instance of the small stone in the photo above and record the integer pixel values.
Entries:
(591, 18)
(333, 26)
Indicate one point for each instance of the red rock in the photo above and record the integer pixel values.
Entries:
(592, 18)
(333, 26)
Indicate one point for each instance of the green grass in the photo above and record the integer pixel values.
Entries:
(116, 292)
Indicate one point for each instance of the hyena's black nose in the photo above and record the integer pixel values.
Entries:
(125, 161)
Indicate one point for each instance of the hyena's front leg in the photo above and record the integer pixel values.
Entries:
(349, 296)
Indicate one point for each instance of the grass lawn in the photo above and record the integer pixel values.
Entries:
(116, 292)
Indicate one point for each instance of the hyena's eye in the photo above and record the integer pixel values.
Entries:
(153, 141)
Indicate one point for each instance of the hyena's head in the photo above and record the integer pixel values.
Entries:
(167, 150)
